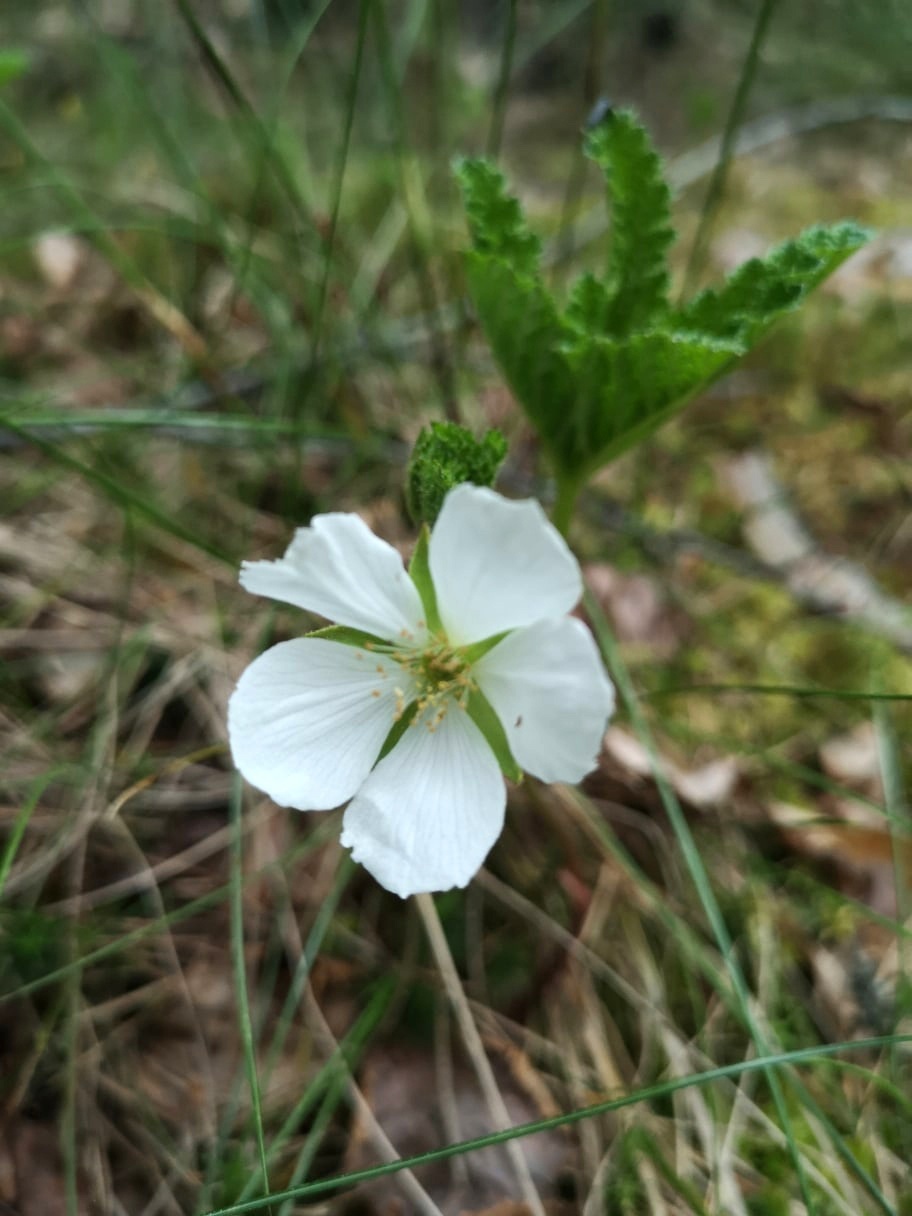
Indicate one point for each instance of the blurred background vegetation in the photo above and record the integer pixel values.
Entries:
(230, 295)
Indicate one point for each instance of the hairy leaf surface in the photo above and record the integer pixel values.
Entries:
(763, 289)
(641, 233)
(495, 218)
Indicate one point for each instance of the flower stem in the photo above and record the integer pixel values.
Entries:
(568, 489)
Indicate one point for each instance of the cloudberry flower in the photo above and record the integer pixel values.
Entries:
(433, 681)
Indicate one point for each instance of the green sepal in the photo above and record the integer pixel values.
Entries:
(487, 721)
(477, 650)
(350, 637)
(420, 574)
(398, 730)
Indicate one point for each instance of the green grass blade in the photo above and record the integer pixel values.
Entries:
(245, 1023)
(716, 920)
(336, 205)
(699, 877)
(318, 837)
(716, 187)
(125, 497)
(305, 963)
(776, 690)
(20, 823)
(650, 1093)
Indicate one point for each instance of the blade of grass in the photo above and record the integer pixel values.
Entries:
(125, 498)
(334, 1094)
(237, 98)
(20, 823)
(650, 1093)
(719, 177)
(245, 1024)
(159, 307)
(774, 690)
(414, 199)
(125, 69)
(502, 90)
(305, 963)
(329, 1085)
(341, 163)
(891, 767)
(151, 928)
(700, 879)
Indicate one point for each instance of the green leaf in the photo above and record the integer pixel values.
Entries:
(446, 455)
(496, 221)
(763, 289)
(521, 321)
(626, 389)
(607, 371)
(487, 721)
(641, 233)
(420, 574)
(589, 305)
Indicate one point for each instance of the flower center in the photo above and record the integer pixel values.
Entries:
(442, 678)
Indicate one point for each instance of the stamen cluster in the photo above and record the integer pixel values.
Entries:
(441, 675)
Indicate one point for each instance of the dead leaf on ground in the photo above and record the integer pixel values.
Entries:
(59, 257)
(637, 608)
(863, 853)
(40, 1189)
(853, 759)
(710, 785)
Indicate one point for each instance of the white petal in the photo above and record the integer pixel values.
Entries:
(308, 718)
(429, 812)
(498, 565)
(339, 569)
(549, 689)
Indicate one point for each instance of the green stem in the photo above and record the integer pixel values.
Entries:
(568, 489)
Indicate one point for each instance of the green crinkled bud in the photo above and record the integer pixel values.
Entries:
(446, 455)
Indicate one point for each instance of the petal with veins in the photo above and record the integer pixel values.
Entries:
(547, 685)
(340, 570)
(429, 812)
(308, 718)
(498, 565)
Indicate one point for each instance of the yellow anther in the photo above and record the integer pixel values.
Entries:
(438, 677)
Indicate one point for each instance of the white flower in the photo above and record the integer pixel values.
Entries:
(309, 717)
